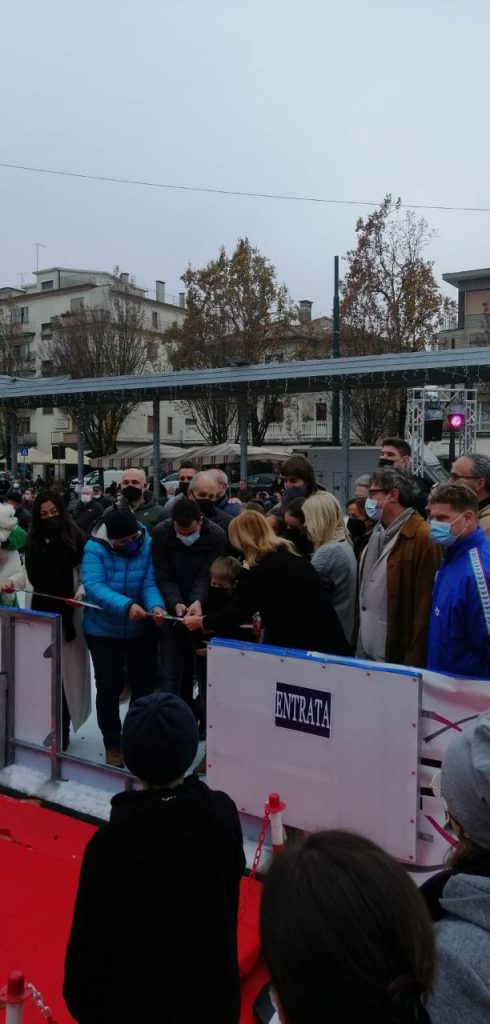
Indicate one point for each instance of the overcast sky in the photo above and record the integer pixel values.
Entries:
(317, 98)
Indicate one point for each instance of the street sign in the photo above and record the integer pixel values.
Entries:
(23, 451)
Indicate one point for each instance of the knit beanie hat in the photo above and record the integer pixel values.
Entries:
(121, 522)
(465, 780)
(159, 738)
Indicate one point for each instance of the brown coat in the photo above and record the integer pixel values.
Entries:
(411, 568)
(484, 519)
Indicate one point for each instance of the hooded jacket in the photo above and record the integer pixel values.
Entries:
(155, 921)
(462, 990)
(459, 630)
(115, 582)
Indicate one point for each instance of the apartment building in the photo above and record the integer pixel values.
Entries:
(471, 327)
(57, 293)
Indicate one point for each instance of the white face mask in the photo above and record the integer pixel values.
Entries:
(85, 498)
(189, 538)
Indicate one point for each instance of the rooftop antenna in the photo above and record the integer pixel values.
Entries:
(39, 245)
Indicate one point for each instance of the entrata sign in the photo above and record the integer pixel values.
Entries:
(303, 710)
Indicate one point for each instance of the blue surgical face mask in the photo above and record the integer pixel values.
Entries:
(189, 538)
(441, 533)
(130, 547)
(371, 509)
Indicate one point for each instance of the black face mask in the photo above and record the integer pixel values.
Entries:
(356, 527)
(53, 523)
(132, 493)
(183, 487)
(386, 462)
(207, 506)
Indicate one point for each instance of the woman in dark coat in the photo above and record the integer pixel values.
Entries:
(53, 553)
(283, 588)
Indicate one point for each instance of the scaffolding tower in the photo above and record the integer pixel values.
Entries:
(429, 403)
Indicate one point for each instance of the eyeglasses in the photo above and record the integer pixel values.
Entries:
(460, 476)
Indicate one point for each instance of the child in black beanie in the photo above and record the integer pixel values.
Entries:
(154, 927)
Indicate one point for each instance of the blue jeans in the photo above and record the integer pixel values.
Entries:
(110, 657)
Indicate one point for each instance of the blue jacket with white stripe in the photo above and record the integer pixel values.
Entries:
(459, 631)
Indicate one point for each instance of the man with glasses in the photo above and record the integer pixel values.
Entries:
(396, 575)
(473, 471)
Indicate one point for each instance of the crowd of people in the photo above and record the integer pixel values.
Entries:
(401, 575)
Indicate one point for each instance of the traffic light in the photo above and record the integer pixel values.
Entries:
(456, 413)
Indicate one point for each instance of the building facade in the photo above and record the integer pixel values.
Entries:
(471, 328)
(58, 293)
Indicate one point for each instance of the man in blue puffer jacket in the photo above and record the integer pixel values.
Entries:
(118, 576)
(459, 631)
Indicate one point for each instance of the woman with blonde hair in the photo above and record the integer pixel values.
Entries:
(333, 556)
(282, 587)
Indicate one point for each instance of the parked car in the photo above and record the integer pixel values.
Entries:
(259, 482)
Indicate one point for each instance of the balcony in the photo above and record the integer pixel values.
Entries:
(475, 333)
(28, 440)
(286, 433)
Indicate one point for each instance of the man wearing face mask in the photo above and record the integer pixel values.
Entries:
(87, 511)
(186, 474)
(396, 575)
(459, 632)
(183, 551)
(118, 576)
(397, 454)
(204, 489)
(135, 493)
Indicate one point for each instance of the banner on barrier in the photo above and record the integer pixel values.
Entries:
(337, 738)
(347, 743)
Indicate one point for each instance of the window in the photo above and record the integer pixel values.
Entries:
(46, 368)
(279, 413)
(190, 422)
(154, 320)
(149, 424)
(24, 314)
(321, 410)
(46, 286)
(151, 351)
(76, 305)
(23, 425)
(170, 424)
(48, 410)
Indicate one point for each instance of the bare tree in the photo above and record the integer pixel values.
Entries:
(109, 341)
(236, 313)
(391, 303)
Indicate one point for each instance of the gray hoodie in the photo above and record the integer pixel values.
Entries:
(462, 990)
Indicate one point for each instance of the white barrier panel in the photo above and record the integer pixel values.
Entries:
(337, 738)
(32, 674)
(362, 775)
(449, 705)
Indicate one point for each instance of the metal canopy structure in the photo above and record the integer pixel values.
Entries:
(407, 369)
(468, 367)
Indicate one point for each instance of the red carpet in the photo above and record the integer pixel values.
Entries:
(40, 857)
